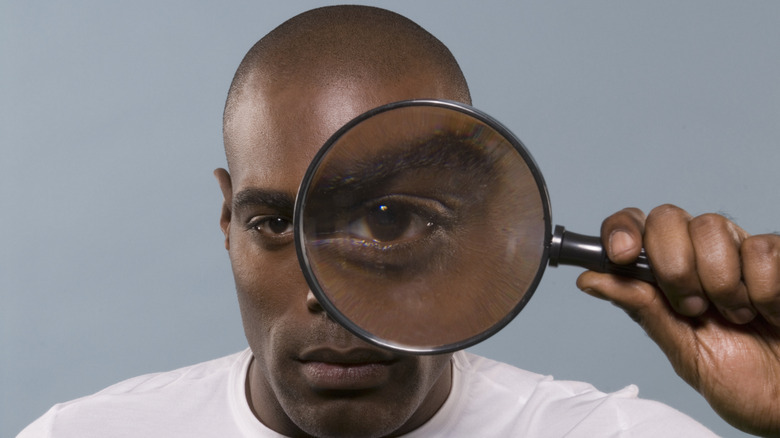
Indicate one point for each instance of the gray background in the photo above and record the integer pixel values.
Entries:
(111, 259)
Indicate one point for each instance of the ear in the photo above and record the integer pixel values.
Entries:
(226, 185)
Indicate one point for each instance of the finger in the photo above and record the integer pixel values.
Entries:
(628, 294)
(761, 271)
(670, 250)
(647, 306)
(716, 242)
(621, 235)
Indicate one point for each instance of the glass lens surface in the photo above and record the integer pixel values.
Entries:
(423, 227)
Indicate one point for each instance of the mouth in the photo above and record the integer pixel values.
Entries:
(327, 369)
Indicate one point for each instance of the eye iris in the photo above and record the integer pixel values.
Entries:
(388, 223)
(277, 225)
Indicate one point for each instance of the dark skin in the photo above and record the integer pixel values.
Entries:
(310, 377)
(728, 354)
(716, 313)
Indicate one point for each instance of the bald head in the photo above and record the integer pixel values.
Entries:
(293, 90)
(343, 47)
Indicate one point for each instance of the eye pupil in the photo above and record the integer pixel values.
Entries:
(278, 225)
(387, 223)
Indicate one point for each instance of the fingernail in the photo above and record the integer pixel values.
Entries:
(743, 315)
(692, 306)
(620, 242)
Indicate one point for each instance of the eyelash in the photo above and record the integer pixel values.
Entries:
(419, 230)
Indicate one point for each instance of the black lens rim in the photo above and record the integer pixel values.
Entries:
(316, 288)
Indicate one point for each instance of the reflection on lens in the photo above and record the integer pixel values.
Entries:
(423, 226)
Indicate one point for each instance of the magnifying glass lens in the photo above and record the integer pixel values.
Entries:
(422, 225)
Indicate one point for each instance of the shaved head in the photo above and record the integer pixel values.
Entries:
(293, 90)
(343, 46)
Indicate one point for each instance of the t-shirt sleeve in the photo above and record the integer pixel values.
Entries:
(581, 411)
(39, 428)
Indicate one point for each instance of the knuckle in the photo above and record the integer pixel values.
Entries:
(712, 229)
(709, 221)
(666, 211)
(675, 273)
(634, 213)
(725, 288)
(766, 299)
(765, 247)
(627, 218)
(610, 222)
(761, 268)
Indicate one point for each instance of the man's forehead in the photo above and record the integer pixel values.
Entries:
(275, 133)
(278, 129)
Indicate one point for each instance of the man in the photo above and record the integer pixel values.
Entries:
(304, 375)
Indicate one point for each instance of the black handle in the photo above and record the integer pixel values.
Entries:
(574, 249)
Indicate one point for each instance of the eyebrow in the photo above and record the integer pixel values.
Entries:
(442, 150)
(251, 197)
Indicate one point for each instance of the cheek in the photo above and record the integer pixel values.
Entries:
(270, 287)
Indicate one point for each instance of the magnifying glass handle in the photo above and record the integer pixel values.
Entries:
(574, 249)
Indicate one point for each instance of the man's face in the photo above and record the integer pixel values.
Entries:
(309, 374)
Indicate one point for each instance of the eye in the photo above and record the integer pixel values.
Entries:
(391, 221)
(277, 228)
(398, 234)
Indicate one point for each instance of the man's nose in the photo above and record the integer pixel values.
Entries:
(312, 303)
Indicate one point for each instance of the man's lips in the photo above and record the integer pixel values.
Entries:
(328, 369)
(346, 356)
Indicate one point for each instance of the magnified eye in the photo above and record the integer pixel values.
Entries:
(391, 221)
(399, 234)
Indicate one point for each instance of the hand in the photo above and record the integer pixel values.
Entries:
(716, 311)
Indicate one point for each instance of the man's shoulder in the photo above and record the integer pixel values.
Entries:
(148, 401)
(506, 400)
(181, 378)
(525, 385)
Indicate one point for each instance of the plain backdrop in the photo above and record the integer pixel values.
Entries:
(111, 260)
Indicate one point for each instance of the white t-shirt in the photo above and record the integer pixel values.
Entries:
(487, 399)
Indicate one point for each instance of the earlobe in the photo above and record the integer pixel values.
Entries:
(226, 185)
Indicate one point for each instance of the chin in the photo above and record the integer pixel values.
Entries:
(351, 422)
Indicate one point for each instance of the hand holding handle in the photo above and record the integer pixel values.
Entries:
(567, 248)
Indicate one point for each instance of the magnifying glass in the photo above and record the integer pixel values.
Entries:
(424, 226)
